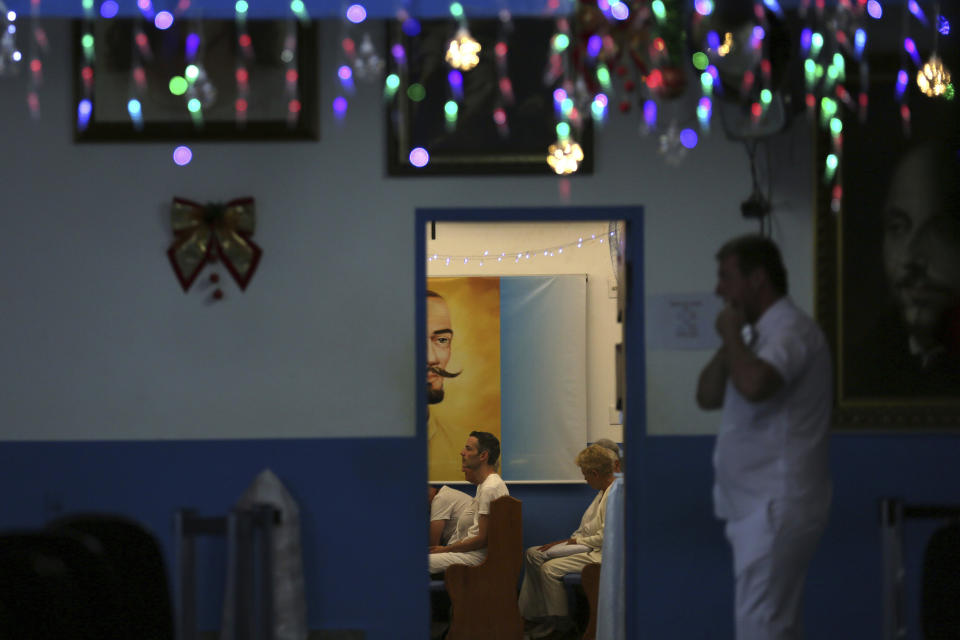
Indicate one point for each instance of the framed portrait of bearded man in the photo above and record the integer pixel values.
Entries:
(888, 262)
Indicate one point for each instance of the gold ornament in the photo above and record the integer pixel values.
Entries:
(462, 51)
(564, 157)
(727, 45)
(934, 78)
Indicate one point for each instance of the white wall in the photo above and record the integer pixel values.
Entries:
(100, 342)
(685, 225)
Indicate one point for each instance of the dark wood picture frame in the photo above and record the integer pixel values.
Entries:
(475, 145)
(165, 116)
(861, 290)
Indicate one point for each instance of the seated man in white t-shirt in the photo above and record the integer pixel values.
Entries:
(446, 507)
(543, 601)
(468, 544)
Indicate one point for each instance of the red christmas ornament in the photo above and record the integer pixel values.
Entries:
(214, 278)
(621, 70)
(629, 86)
(217, 294)
(624, 106)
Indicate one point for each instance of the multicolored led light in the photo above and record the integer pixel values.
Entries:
(450, 111)
(917, 11)
(455, 80)
(339, 107)
(182, 155)
(703, 7)
(688, 138)
(163, 20)
(911, 48)
(603, 76)
(419, 157)
(109, 9)
(390, 85)
(84, 110)
(704, 112)
(356, 13)
(178, 85)
(599, 106)
(619, 10)
(902, 80)
(943, 26)
(859, 42)
(650, 114)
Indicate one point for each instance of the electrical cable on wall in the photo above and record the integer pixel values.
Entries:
(757, 205)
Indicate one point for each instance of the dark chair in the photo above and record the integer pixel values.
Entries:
(484, 597)
(249, 536)
(54, 586)
(142, 598)
(940, 599)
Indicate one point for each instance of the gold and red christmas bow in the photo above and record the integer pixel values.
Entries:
(203, 233)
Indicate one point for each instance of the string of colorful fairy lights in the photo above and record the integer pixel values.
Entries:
(514, 257)
(589, 69)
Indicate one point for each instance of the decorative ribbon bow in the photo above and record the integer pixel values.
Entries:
(203, 232)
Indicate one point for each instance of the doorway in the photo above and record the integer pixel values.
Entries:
(626, 285)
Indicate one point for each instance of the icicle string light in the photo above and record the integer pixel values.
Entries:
(38, 47)
(85, 104)
(291, 75)
(833, 46)
(241, 103)
(10, 55)
(504, 84)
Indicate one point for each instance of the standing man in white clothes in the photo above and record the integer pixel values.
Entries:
(468, 544)
(772, 376)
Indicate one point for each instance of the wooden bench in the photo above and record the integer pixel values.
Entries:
(590, 577)
(589, 581)
(484, 597)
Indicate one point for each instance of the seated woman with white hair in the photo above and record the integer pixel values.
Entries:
(543, 601)
(615, 448)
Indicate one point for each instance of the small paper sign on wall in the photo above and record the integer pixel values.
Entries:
(677, 321)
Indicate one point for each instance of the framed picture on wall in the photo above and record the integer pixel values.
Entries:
(888, 264)
(485, 336)
(494, 131)
(194, 80)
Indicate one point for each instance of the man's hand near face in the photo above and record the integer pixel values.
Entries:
(756, 379)
(713, 378)
(730, 323)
